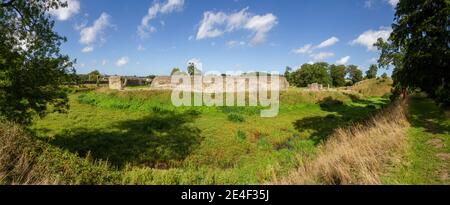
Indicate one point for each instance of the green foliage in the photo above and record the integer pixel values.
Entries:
(418, 47)
(372, 72)
(192, 70)
(175, 71)
(308, 74)
(288, 75)
(338, 75)
(234, 117)
(241, 135)
(355, 74)
(32, 67)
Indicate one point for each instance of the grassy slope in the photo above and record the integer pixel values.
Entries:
(427, 159)
(373, 87)
(117, 129)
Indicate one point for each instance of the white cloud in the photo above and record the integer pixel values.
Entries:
(89, 35)
(209, 21)
(104, 62)
(87, 49)
(309, 48)
(197, 62)
(343, 60)
(216, 24)
(321, 56)
(122, 61)
(329, 42)
(305, 49)
(370, 37)
(261, 25)
(393, 3)
(64, 13)
(144, 29)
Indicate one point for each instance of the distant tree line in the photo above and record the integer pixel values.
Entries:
(326, 74)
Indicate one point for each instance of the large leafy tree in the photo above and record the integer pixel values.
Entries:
(338, 73)
(372, 72)
(31, 66)
(312, 73)
(355, 74)
(420, 43)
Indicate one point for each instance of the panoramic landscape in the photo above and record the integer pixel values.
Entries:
(178, 92)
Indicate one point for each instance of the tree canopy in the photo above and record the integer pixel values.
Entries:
(311, 73)
(355, 74)
(338, 73)
(32, 67)
(372, 72)
(418, 48)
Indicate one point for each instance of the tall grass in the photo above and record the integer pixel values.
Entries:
(24, 160)
(357, 154)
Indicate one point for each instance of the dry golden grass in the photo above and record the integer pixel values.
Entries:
(373, 87)
(18, 165)
(358, 154)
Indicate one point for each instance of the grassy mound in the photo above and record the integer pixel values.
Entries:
(373, 87)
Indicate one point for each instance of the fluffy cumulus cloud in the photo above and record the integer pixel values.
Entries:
(370, 37)
(64, 13)
(215, 24)
(144, 29)
(321, 56)
(91, 34)
(309, 48)
(343, 60)
(122, 61)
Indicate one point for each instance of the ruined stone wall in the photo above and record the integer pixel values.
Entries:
(241, 84)
(115, 83)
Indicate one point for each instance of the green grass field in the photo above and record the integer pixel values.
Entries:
(427, 157)
(149, 141)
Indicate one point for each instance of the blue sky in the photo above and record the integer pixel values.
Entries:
(143, 37)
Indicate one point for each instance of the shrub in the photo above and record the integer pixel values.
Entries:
(329, 102)
(234, 117)
(241, 135)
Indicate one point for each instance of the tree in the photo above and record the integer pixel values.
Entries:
(355, 74)
(372, 72)
(192, 69)
(384, 76)
(420, 36)
(337, 73)
(94, 75)
(315, 73)
(32, 68)
(287, 74)
(175, 71)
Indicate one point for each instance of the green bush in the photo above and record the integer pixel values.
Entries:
(241, 135)
(234, 117)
